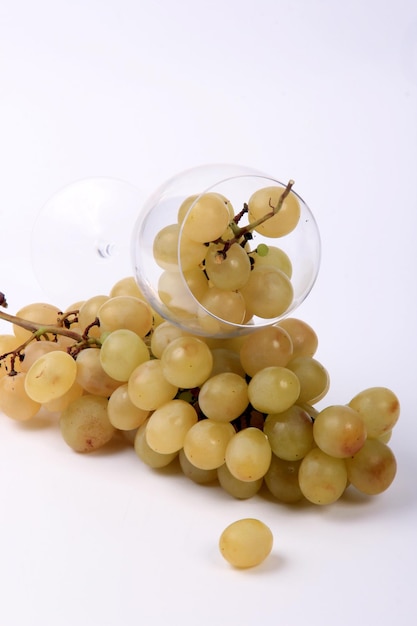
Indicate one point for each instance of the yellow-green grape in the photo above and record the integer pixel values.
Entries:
(379, 408)
(7, 344)
(304, 338)
(264, 348)
(125, 312)
(205, 443)
(187, 362)
(85, 425)
(273, 389)
(121, 352)
(206, 220)
(268, 292)
(126, 287)
(239, 489)
(339, 431)
(14, 401)
(166, 249)
(290, 433)
(123, 414)
(52, 375)
(226, 360)
(148, 387)
(373, 468)
(163, 335)
(322, 478)
(227, 203)
(386, 437)
(168, 425)
(281, 480)
(151, 458)
(228, 306)
(196, 474)
(263, 201)
(59, 404)
(35, 350)
(229, 270)
(88, 313)
(224, 397)
(91, 375)
(246, 543)
(39, 312)
(175, 294)
(248, 454)
(313, 376)
(273, 256)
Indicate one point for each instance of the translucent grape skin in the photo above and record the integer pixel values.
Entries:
(85, 425)
(248, 454)
(205, 443)
(290, 434)
(14, 401)
(322, 478)
(282, 482)
(168, 425)
(196, 474)
(379, 408)
(50, 376)
(224, 397)
(146, 454)
(231, 272)
(121, 352)
(373, 468)
(286, 219)
(148, 387)
(265, 347)
(304, 338)
(339, 431)
(246, 543)
(268, 292)
(239, 489)
(313, 376)
(187, 362)
(273, 389)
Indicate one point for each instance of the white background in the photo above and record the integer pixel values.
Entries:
(321, 91)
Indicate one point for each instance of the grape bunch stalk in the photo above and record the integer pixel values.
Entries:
(242, 410)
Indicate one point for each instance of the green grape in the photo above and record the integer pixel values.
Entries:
(205, 443)
(148, 387)
(206, 220)
(240, 489)
(281, 480)
(379, 408)
(123, 414)
(246, 543)
(8, 343)
(268, 292)
(248, 454)
(303, 337)
(163, 335)
(14, 401)
(85, 425)
(314, 378)
(151, 458)
(166, 248)
(91, 375)
(125, 312)
(322, 478)
(290, 433)
(196, 474)
(126, 287)
(373, 468)
(39, 312)
(168, 425)
(229, 272)
(265, 347)
(274, 257)
(57, 405)
(339, 431)
(224, 397)
(286, 219)
(226, 360)
(187, 362)
(273, 389)
(121, 352)
(50, 376)
(35, 350)
(89, 312)
(228, 306)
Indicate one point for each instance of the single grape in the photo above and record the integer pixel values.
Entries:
(204, 218)
(127, 313)
(226, 360)
(373, 468)
(265, 347)
(50, 376)
(379, 408)
(187, 362)
(246, 543)
(228, 306)
(39, 312)
(126, 287)
(274, 257)
(224, 397)
(88, 313)
(263, 201)
(205, 443)
(85, 425)
(14, 401)
(121, 352)
(230, 271)
(268, 292)
(168, 425)
(322, 478)
(304, 338)
(281, 480)
(36, 349)
(148, 387)
(248, 454)
(163, 335)
(339, 431)
(166, 248)
(313, 376)
(123, 414)
(290, 433)
(273, 389)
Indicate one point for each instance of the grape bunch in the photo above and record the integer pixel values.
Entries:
(211, 269)
(242, 411)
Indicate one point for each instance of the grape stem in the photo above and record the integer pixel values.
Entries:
(245, 231)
